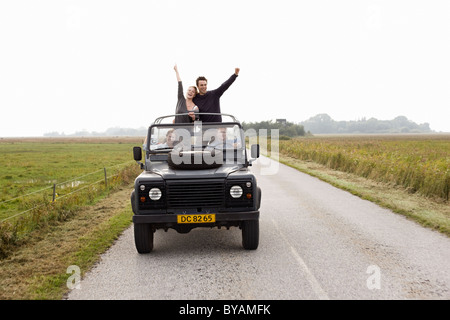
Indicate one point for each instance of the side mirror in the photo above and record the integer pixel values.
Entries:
(255, 151)
(137, 153)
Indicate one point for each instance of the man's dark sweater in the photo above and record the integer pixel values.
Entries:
(210, 101)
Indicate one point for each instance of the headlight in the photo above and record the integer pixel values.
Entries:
(236, 192)
(155, 194)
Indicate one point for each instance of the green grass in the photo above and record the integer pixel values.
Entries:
(90, 246)
(30, 167)
(36, 247)
(38, 269)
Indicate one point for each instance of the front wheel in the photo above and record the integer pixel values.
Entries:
(250, 234)
(143, 237)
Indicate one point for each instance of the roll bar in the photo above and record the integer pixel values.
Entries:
(160, 119)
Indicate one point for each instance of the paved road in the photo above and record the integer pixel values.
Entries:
(316, 242)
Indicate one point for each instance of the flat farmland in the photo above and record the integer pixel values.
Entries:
(73, 171)
(29, 165)
(419, 163)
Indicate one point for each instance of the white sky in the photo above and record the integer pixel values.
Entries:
(71, 65)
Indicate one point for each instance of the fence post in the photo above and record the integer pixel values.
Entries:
(106, 180)
(54, 192)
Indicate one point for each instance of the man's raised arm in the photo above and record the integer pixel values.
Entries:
(220, 90)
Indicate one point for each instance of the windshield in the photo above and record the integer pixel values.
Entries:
(197, 136)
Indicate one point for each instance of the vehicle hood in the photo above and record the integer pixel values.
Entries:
(166, 172)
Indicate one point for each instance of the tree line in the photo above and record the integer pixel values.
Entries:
(319, 124)
(323, 123)
(286, 128)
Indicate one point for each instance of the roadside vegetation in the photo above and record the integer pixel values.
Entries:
(40, 237)
(409, 174)
(46, 181)
(419, 163)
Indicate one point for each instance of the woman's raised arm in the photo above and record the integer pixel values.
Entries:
(176, 71)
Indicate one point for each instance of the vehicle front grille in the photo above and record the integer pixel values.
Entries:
(195, 193)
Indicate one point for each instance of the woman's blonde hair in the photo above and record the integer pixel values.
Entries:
(195, 89)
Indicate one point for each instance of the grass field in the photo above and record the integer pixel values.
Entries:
(418, 163)
(32, 164)
(31, 168)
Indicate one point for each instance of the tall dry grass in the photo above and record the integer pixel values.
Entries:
(419, 163)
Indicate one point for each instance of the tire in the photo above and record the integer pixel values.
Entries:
(250, 234)
(143, 237)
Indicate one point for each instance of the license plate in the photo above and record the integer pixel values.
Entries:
(196, 218)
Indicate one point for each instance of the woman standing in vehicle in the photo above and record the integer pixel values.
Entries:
(185, 105)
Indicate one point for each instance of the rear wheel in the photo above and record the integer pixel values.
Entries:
(143, 237)
(250, 234)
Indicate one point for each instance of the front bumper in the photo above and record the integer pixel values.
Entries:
(220, 217)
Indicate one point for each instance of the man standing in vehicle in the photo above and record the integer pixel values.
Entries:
(209, 101)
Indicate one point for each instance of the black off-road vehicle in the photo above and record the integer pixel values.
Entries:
(195, 175)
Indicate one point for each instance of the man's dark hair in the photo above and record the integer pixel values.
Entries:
(200, 78)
